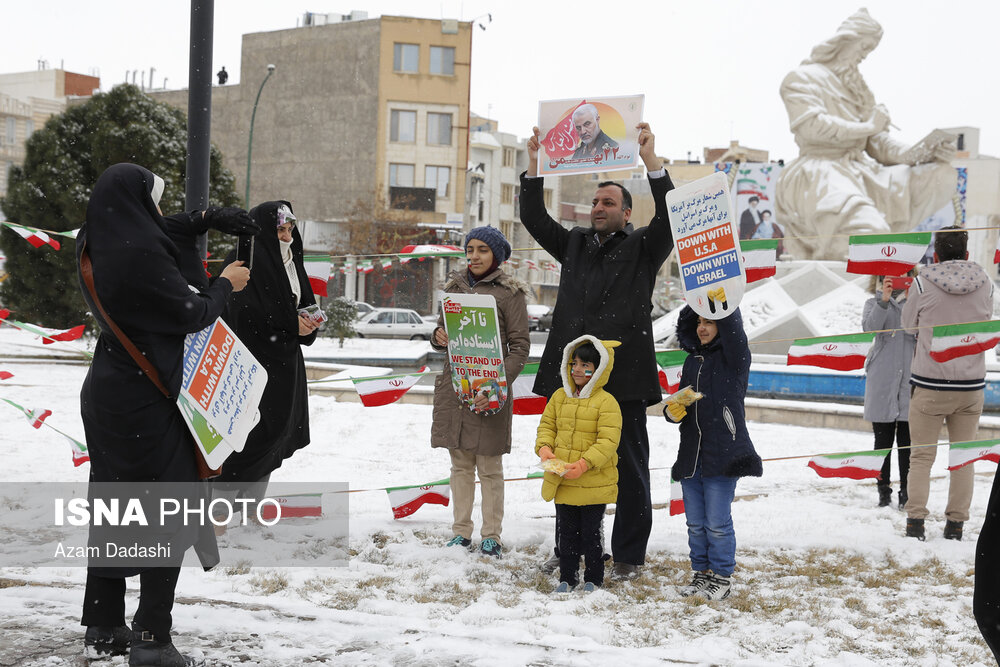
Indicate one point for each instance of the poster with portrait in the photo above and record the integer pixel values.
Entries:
(220, 391)
(475, 351)
(708, 249)
(753, 194)
(580, 136)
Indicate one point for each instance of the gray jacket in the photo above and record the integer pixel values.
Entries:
(887, 382)
(952, 292)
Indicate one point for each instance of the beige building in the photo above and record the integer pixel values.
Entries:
(27, 100)
(357, 110)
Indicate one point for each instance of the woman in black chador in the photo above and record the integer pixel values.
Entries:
(150, 284)
(265, 317)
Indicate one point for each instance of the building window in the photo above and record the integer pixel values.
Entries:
(11, 129)
(29, 128)
(547, 195)
(507, 229)
(506, 194)
(437, 178)
(403, 126)
(443, 60)
(401, 175)
(406, 57)
(439, 129)
(508, 157)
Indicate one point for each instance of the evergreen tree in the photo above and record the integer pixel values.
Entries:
(340, 314)
(61, 165)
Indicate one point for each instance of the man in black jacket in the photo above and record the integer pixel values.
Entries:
(605, 289)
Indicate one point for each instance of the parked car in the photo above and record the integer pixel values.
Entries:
(394, 323)
(535, 312)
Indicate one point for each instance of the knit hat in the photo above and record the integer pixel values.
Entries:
(492, 237)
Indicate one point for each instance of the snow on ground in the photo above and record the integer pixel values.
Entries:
(824, 577)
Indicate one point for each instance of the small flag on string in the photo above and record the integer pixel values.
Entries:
(375, 391)
(960, 340)
(35, 417)
(527, 402)
(839, 353)
(318, 270)
(670, 363)
(760, 258)
(36, 237)
(886, 254)
(80, 453)
(963, 453)
(406, 500)
(52, 335)
(293, 506)
(853, 465)
(4, 375)
(676, 498)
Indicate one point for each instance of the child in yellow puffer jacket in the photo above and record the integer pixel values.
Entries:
(581, 426)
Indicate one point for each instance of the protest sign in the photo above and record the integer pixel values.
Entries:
(580, 136)
(475, 350)
(708, 250)
(220, 391)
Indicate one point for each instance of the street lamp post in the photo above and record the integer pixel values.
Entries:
(253, 116)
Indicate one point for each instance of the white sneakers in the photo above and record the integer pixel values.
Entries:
(710, 586)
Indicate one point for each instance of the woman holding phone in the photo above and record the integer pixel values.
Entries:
(266, 318)
(887, 383)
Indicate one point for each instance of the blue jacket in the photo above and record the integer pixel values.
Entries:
(715, 428)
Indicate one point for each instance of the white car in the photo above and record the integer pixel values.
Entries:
(535, 312)
(394, 323)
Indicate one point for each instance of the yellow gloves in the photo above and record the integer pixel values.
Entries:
(717, 294)
(675, 411)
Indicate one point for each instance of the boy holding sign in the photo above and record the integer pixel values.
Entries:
(470, 419)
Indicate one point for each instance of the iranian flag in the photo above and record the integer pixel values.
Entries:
(963, 453)
(293, 506)
(839, 353)
(527, 402)
(318, 270)
(48, 335)
(669, 365)
(34, 417)
(421, 252)
(36, 237)
(406, 500)
(676, 498)
(386, 389)
(80, 453)
(760, 258)
(4, 375)
(853, 465)
(960, 340)
(886, 254)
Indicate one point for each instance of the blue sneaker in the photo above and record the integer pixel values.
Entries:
(459, 541)
(491, 547)
(589, 587)
(563, 587)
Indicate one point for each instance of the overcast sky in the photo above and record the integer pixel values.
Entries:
(710, 70)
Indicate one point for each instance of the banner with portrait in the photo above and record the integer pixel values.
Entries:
(584, 135)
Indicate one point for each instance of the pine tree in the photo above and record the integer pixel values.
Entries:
(340, 314)
(61, 165)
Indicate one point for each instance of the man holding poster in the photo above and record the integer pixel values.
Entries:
(605, 290)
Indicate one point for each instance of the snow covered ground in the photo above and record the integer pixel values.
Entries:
(823, 576)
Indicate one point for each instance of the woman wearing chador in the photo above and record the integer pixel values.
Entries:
(144, 278)
(266, 319)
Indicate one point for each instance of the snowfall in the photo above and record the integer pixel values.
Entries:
(823, 577)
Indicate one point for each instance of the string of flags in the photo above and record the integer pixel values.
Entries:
(48, 336)
(38, 237)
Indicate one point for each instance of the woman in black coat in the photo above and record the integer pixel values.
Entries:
(265, 317)
(142, 277)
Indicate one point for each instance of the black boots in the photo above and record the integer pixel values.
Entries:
(953, 530)
(903, 498)
(101, 642)
(884, 496)
(915, 528)
(147, 651)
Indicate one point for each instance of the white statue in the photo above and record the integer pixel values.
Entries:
(850, 176)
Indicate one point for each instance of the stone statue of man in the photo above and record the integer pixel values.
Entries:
(850, 176)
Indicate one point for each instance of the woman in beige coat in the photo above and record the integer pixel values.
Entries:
(478, 441)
